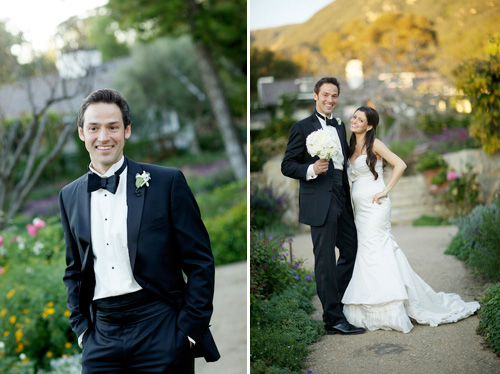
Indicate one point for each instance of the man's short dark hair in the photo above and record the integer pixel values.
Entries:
(105, 95)
(324, 80)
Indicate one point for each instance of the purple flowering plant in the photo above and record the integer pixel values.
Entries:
(272, 271)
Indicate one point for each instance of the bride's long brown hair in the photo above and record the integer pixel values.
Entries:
(373, 119)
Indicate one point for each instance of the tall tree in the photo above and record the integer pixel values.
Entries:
(479, 79)
(97, 31)
(24, 140)
(218, 30)
(267, 63)
(142, 82)
(9, 64)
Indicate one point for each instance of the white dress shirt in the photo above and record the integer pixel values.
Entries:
(108, 225)
(338, 159)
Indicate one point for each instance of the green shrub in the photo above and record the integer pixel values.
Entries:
(266, 208)
(228, 234)
(430, 160)
(489, 317)
(462, 194)
(284, 331)
(280, 293)
(436, 123)
(33, 314)
(458, 247)
(222, 198)
(477, 241)
(404, 148)
(268, 272)
(484, 257)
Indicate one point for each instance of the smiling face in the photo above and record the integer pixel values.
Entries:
(326, 98)
(359, 123)
(104, 135)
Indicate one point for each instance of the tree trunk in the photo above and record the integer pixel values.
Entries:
(221, 110)
(217, 97)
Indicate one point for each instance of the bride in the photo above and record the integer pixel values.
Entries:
(384, 291)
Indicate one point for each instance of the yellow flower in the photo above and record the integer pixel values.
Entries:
(19, 348)
(19, 335)
(12, 319)
(5, 333)
(27, 320)
(67, 345)
(67, 313)
(49, 354)
(50, 311)
(3, 312)
(51, 304)
(11, 293)
(26, 311)
(44, 315)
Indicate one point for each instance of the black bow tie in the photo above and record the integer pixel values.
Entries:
(328, 121)
(95, 182)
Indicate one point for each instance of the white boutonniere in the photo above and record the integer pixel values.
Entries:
(141, 180)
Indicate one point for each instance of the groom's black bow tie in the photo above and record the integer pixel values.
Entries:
(95, 182)
(328, 121)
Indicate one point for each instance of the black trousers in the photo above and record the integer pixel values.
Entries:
(332, 277)
(136, 333)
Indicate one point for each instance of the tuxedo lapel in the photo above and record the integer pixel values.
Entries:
(83, 225)
(315, 122)
(135, 203)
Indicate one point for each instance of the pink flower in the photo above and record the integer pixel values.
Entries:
(1, 268)
(1, 240)
(452, 175)
(38, 223)
(434, 188)
(32, 230)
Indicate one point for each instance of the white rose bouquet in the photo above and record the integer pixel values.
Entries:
(322, 143)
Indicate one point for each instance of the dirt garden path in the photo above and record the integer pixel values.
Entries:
(453, 348)
(229, 321)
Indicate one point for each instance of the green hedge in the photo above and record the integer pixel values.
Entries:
(477, 240)
(281, 328)
(228, 234)
(489, 323)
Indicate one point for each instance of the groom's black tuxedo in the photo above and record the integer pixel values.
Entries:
(326, 207)
(314, 195)
(166, 237)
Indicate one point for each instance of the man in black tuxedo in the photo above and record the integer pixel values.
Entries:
(325, 205)
(131, 231)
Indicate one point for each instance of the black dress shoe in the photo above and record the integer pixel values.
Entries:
(343, 328)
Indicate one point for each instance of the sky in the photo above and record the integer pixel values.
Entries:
(271, 13)
(38, 19)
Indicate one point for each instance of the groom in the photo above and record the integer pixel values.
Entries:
(325, 205)
(131, 231)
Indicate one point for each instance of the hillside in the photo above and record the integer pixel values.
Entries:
(463, 26)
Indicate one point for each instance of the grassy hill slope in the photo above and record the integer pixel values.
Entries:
(463, 26)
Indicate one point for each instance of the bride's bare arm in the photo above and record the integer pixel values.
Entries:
(381, 150)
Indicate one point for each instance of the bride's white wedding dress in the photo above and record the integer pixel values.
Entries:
(384, 292)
